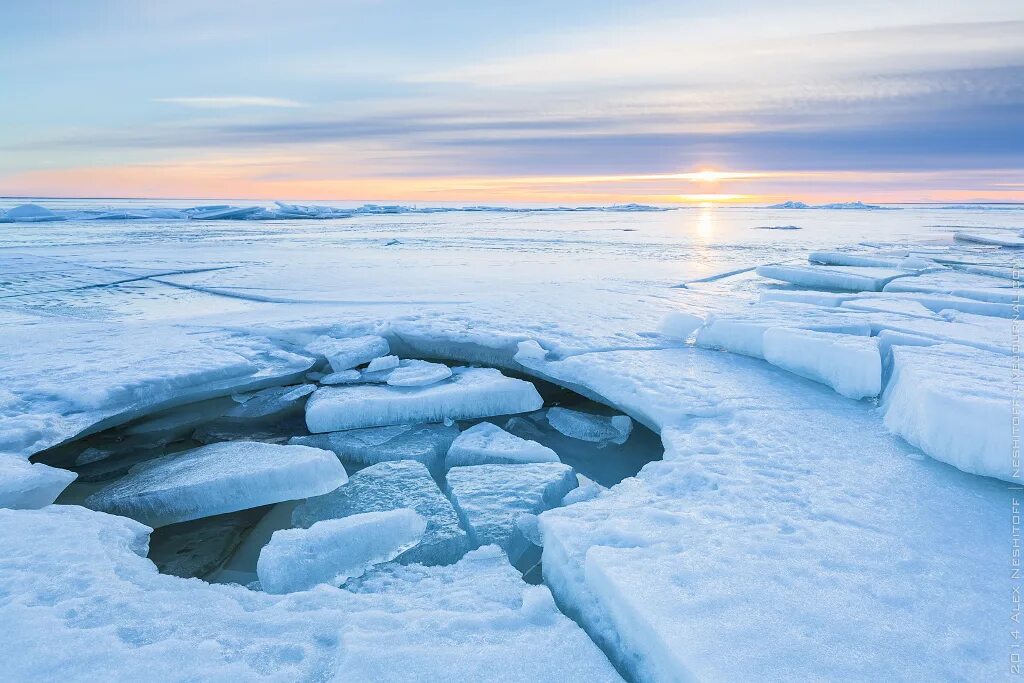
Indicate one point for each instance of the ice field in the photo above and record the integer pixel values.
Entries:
(351, 443)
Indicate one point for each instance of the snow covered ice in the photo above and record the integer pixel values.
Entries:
(389, 486)
(418, 373)
(334, 550)
(785, 507)
(488, 444)
(470, 393)
(219, 478)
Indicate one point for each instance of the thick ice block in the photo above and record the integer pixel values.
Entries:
(335, 550)
(487, 444)
(850, 364)
(344, 354)
(490, 498)
(222, 477)
(24, 484)
(426, 444)
(470, 393)
(390, 486)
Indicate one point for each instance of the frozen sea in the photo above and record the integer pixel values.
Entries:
(834, 501)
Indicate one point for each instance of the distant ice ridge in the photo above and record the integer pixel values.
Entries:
(33, 213)
(835, 205)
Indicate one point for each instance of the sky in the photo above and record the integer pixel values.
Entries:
(559, 102)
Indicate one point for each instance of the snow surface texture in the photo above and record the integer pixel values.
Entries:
(488, 444)
(489, 498)
(470, 393)
(335, 550)
(93, 591)
(223, 477)
(30, 485)
(426, 444)
(389, 486)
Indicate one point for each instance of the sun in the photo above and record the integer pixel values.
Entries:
(708, 176)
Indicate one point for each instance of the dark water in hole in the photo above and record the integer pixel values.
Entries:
(224, 548)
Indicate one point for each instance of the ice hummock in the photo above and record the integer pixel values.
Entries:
(24, 484)
(955, 404)
(334, 550)
(589, 427)
(490, 498)
(389, 486)
(30, 213)
(470, 393)
(850, 364)
(488, 444)
(223, 477)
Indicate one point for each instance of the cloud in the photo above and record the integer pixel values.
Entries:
(231, 102)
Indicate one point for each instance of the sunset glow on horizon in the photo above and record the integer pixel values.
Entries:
(581, 103)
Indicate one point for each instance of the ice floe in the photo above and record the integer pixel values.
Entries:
(426, 444)
(389, 486)
(851, 278)
(334, 550)
(490, 498)
(588, 427)
(470, 393)
(417, 373)
(488, 444)
(345, 354)
(219, 478)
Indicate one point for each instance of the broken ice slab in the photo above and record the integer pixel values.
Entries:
(356, 448)
(490, 498)
(850, 278)
(343, 377)
(488, 444)
(955, 404)
(223, 477)
(383, 363)
(849, 364)
(589, 427)
(998, 239)
(844, 258)
(743, 331)
(345, 354)
(178, 422)
(470, 393)
(418, 373)
(262, 416)
(334, 550)
(28, 485)
(268, 404)
(390, 486)
(198, 547)
(524, 428)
